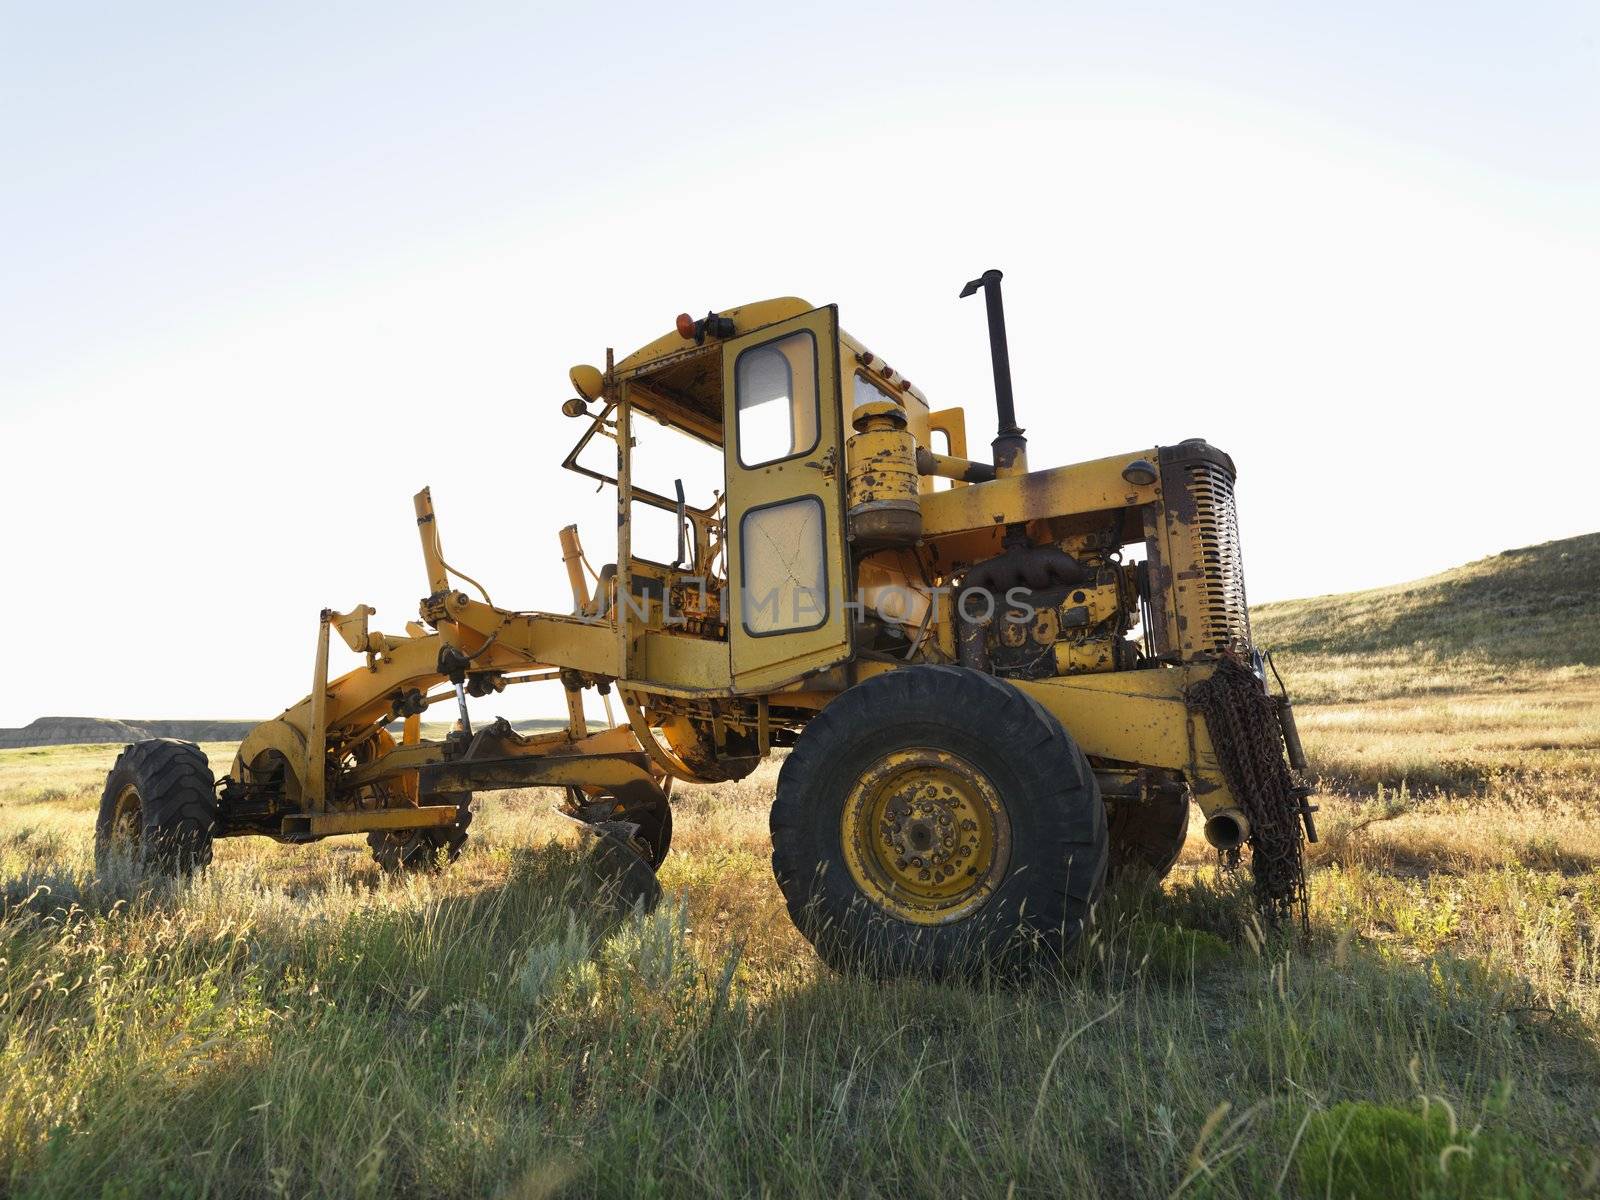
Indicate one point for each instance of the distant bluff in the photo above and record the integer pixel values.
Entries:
(76, 731)
(69, 731)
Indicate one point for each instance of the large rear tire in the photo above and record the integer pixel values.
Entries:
(935, 820)
(159, 807)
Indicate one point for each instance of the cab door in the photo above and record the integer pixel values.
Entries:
(785, 460)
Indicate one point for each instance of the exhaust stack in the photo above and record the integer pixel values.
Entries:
(1010, 447)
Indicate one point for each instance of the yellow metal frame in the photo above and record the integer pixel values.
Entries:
(344, 773)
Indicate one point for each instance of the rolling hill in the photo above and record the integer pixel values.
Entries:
(1519, 619)
(1487, 672)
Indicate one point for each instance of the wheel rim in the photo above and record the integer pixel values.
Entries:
(925, 836)
(125, 818)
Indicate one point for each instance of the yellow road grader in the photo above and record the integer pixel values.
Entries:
(997, 684)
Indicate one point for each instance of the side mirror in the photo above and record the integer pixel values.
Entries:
(575, 407)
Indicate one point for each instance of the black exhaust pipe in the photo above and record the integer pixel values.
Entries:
(1010, 447)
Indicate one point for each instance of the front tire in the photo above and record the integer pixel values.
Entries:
(934, 820)
(159, 807)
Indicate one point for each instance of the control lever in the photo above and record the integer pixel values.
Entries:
(683, 520)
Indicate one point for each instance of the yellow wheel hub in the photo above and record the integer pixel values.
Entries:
(925, 836)
(125, 818)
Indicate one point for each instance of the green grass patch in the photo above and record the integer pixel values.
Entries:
(1366, 1151)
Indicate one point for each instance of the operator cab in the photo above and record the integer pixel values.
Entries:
(759, 519)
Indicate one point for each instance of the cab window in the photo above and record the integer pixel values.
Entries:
(785, 584)
(866, 392)
(776, 402)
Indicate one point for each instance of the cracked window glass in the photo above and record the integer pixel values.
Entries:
(785, 585)
(777, 399)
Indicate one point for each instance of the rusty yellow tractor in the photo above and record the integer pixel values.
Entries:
(996, 685)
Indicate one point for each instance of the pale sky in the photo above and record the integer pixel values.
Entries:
(267, 270)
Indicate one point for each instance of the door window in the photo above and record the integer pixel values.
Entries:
(785, 576)
(777, 399)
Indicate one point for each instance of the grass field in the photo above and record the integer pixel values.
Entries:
(292, 1024)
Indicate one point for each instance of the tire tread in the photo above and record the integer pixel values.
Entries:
(1044, 762)
(177, 799)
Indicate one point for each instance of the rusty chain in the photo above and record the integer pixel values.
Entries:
(1248, 739)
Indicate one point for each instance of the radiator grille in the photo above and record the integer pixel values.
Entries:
(1216, 531)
